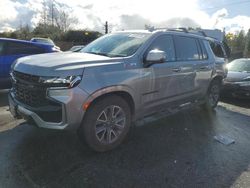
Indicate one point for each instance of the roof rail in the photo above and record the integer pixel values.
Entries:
(198, 32)
(201, 32)
(180, 29)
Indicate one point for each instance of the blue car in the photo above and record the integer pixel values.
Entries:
(12, 49)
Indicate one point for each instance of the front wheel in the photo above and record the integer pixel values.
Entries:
(106, 123)
(213, 95)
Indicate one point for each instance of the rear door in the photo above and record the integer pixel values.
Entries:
(203, 68)
(187, 56)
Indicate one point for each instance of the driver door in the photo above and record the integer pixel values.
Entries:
(164, 79)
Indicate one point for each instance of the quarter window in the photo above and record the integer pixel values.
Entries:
(186, 49)
(217, 49)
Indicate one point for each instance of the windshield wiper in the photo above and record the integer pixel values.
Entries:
(98, 53)
(118, 55)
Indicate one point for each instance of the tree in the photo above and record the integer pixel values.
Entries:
(64, 21)
(81, 36)
(55, 14)
(247, 44)
(240, 41)
(23, 32)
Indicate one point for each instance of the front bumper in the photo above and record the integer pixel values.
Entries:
(68, 114)
(236, 90)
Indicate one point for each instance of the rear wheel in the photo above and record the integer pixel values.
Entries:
(213, 95)
(106, 123)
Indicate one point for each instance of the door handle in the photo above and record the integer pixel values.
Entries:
(205, 68)
(176, 69)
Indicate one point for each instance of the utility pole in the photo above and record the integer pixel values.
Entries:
(106, 27)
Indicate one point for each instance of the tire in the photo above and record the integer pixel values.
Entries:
(213, 95)
(106, 123)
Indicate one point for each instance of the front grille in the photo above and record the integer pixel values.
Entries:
(28, 90)
(25, 77)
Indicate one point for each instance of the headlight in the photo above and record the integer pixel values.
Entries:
(68, 82)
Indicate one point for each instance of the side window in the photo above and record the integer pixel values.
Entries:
(203, 50)
(217, 49)
(166, 44)
(186, 49)
(19, 48)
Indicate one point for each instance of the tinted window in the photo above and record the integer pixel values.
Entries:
(20, 48)
(217, 49)
(186, 48)
(166, 44)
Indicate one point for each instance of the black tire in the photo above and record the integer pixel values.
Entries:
(100, 127)
(213, 95)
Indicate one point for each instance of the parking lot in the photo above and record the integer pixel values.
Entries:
(176, 151)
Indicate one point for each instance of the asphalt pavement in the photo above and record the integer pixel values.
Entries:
(176, 151)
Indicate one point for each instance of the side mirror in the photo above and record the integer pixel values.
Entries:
(155, 56)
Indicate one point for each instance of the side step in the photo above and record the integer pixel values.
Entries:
(165, 113)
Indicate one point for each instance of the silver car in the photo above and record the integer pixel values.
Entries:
(116, 80)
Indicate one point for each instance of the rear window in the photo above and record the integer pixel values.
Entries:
(20, 48)
(186, 49)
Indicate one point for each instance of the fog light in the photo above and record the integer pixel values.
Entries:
(62, 95)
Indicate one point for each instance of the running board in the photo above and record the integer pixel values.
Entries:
(162, 114)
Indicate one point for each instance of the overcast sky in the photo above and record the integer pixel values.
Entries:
(134, 14)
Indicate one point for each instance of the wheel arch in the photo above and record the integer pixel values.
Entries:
(122, 92)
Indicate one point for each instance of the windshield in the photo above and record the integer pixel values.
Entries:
(239, 66)
(117, 45)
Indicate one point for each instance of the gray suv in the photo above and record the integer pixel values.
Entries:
(116, 80)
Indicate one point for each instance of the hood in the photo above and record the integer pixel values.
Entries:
(65, 63)
(236, 76)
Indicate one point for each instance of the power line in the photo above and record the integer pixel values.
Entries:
(227, 4)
